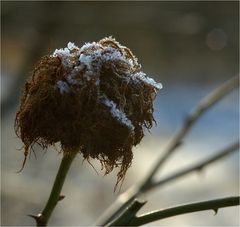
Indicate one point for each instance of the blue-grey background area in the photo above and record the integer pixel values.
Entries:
(190, 47)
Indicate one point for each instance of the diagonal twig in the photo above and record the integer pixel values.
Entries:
(128, 197)
(128, 215)
(196, 113)
(124, 217)
(197, 167)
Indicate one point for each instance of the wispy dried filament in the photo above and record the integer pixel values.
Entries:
(94, 99)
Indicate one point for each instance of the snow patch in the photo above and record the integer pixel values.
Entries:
(90, 58)
(72, 46)
(70, 77)
(143, 77)
(66, 54)
(118, 114)
(90, 46)
(62, 86)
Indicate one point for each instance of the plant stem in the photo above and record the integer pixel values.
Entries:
(126, 198)
(42, 219)
(130, 212)
(128, 216)
(204, 105)
(184, 209)
(196, 167)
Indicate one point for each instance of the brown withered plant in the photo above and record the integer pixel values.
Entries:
(94, 100)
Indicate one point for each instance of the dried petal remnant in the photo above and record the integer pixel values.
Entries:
(95, 99)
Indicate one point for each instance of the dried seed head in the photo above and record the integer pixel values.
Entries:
(94, 99)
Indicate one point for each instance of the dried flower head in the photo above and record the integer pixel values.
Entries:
(93, 99)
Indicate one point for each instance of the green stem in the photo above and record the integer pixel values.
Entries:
(184, 209)
(42, 219)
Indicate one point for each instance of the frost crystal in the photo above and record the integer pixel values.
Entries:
(72, 46)
(86, 60)
(116, 113)
(91, 57)
(143, 77)
(67, 54)
(70, 77)
(62, 86)
(90, 46)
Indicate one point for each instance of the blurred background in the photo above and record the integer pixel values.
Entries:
(190, 47)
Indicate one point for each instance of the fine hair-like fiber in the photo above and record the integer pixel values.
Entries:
(94, 99)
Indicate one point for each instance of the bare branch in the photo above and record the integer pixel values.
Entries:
(205, 104)
(127, 197)
(197, 167)
(128, 212)
(184, 209)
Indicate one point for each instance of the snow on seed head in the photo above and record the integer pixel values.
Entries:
(94, 99)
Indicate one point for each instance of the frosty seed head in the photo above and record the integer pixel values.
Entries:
(94, 99)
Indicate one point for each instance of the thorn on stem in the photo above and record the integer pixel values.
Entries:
(35, 217)
(201, 170)
(61, 197)
(39, 218)
(215, 211)
(179, 143)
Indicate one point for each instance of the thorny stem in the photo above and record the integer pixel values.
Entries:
(125, 199)
(184, 209)
(126, 217)
(196, 167)
(42, 218)
(130, 212)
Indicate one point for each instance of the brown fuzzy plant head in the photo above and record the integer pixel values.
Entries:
(94, 99)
